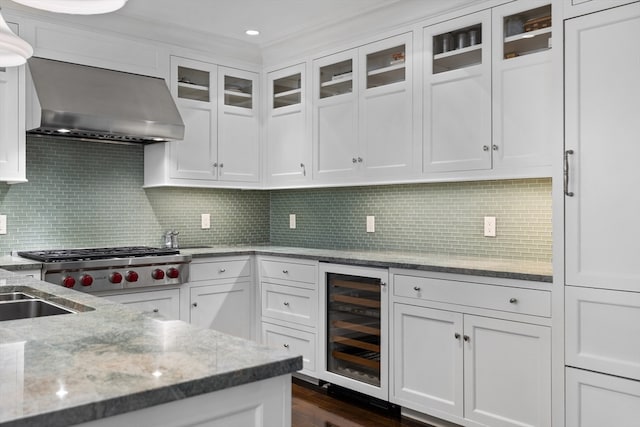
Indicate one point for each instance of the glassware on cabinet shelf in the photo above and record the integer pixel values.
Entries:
(193, 84)
(336, 79)
(386, 67)
(238, 92)
(457, 49)
(527, 32)
(287, 91)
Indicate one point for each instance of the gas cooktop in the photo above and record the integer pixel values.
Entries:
(60, 255)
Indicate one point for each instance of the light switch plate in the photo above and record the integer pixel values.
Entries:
(3, 224)
(292, 221)
(371, 224)
(489, 226)
(205, 221)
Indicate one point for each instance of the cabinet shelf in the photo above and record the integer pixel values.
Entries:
(237, 93)
(355, 343)
(287, 93)
(456, 52)
(527, 35)
(364, 302)
(356, 285)
(336, 82)
(341, 324)
(373, 363)
(393, 67)
(456, 59)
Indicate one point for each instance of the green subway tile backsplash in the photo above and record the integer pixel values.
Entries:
(445, 218)
(86, 194)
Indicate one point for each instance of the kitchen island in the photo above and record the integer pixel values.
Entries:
(106, 364)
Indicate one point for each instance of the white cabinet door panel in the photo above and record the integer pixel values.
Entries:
(238, 148)
(427, 369)
(164, 302)
(602, 129)
(597, 400)
(507, 373)
(337, 138)
(224, 308)
(294, 342)
(195, 155)
(602, 330)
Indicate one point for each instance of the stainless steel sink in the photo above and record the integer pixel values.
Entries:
(29, 308)
(15, 296)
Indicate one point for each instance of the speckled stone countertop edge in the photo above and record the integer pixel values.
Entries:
(149, 398)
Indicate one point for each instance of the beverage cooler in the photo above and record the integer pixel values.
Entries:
(354, 328)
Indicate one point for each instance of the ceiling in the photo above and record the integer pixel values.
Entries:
(276, 20)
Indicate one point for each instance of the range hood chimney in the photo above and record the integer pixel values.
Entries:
(89, 103)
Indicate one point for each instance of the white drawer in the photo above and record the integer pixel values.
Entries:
(516, 300)
(289, 270)
(296, 305)
(222, 269)
(293, 341)
(602, 330)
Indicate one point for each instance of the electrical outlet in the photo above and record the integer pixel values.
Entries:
(489, 226)
(3, 224)
(292, 221)
(205, 221)
(371, 224)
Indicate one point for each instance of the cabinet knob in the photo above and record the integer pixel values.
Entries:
(286, 303)
(285, 345)
(354, 160)
(155, 310)
(494, 147)
(285, 271)
(221, 165)
(513, 300)
(222, 270)
(416, 288)
(382, 283)
(485, 148)
(457, 336)
(359, 159)
(215, 165)
(195, 304)
(466, 338)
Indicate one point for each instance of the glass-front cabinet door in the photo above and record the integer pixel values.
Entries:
(288, 141)
(457, 94)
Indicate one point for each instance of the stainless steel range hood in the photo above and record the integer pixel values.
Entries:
(78, 101)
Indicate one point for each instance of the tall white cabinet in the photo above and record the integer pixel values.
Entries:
(602, 296)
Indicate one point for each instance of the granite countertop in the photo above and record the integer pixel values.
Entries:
(108, 359)
(457, 264)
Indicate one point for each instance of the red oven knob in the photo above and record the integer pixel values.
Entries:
(157, 274)
(173, 273)
(115, 277)
(86, 280)
(68, 282)
(131, 276)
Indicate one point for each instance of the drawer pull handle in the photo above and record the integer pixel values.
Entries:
(466, 338)
(513, 300)
(457, 336)
(285, 271)
(285, 345)
(416, 288)
(222, 270)
(155, 310)
(286, 303)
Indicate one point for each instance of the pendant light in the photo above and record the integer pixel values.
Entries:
(13, 50)
(75, 7)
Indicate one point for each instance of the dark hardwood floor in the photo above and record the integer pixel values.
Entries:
(312, 406)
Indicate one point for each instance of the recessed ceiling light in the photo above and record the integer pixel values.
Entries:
(252, 32)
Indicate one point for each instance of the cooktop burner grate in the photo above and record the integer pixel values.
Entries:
(59, 255)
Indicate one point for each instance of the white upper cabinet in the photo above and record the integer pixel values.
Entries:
(238, 131)
(457, 94)
(601, 138)
(12, 123)
(288, 141)
(363, 113)
(573, 8)
(221, 140)
(522, 86)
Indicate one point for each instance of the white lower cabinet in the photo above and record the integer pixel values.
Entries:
(289, 308)
(165, 302)
(221, 295)
(223, 307)
(470, 365)
(597, 400)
